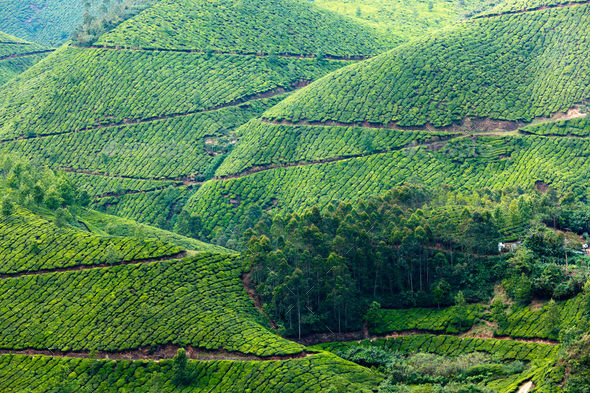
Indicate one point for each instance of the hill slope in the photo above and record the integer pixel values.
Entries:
(493, 73)
(48, 22)
(17, 55)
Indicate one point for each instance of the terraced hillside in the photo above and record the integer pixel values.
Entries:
(17, 55)
(349, 135)
(30, 243)
(167, 115)
(47, 22)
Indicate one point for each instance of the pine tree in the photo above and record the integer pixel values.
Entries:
(179, 367)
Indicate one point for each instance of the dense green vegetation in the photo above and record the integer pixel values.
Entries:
(179, 147)
(572, 127)
(316, 373)
(273, 144)
(117, 226)
(411, 247)
(11, 67)
(198, 301)
(54, 100)
(48, 22)
(158, 207)
(259, 26)
(407, 19)
(513, 162)
(515, 67)
(16, 56)
(29, 243)
(104, 185)
(448, 360)
(513, 6)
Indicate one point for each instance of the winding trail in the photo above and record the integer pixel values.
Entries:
(14, 56)
(234, 103)
(179, 255)
(157, 353)
(233, 53)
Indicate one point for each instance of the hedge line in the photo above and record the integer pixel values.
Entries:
(454, 346)
(197, 301)
(316, 373)
(524, 323)
(574, 127)
(435, 320)
(30, 243)
(514, 67)
(68, 96)
(522, 5)
(10, 68)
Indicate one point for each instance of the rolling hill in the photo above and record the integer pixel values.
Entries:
(17, 55)
(446, 116)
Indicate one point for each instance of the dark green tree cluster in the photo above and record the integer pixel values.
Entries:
(315, 269)
(29, 185)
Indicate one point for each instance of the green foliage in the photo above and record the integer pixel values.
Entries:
(499, 313)
(446, 77)
(257, 26)
(180, 147)
(297, 188)
(30, 243)
(16, 56)
(460, 311)
(199, 302)
(49, 24)
(275, 144)
(179, 367)
(433, 320)
(312, 374)
(570, 127)
(120, 94)
(552, 317)
(99, 222)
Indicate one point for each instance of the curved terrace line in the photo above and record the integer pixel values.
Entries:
(14, 56)
(232, 53)
(31, 272)
(160, 353)
(234, 103)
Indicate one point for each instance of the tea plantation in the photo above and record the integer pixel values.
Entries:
(48, 23)
(161, 149)
(198, 301)
(315, 373)
(518, 161)
(513, 68)
(29, 243)
(17, 56)
(284, 27)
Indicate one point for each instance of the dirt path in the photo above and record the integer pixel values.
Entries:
(26, 54)
(179, 255)
(157, 353)
(235, 103)
(257, 54)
